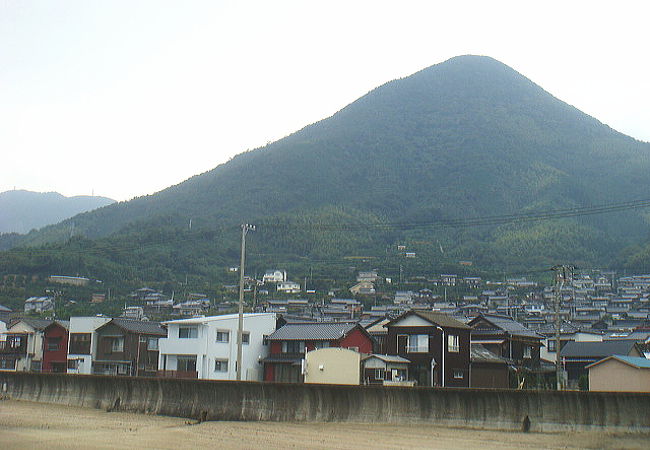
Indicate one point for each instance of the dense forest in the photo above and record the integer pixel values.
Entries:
(416, 162)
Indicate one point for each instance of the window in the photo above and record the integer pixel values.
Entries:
(7, 364)
(245, 338)
(221, 365)
(528, 350)
(223, 336)
(293, 347)
(418, 343)
(117, 345)
(80, 343)
(458, 374)
(379, 374)
(186, 363)
(453, 344)
(552, 345)
(152, 344)
(73, 364)
(53, 344)
(188, 333)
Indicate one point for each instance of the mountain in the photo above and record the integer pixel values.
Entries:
(23, 211)
(466, 138)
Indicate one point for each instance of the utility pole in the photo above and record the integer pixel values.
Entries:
(245, 228)
(563, 273)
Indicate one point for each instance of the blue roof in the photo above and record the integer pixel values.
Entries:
(635, 361)
(642, 363)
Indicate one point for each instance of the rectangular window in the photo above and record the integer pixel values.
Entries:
(293, 347)
(453, 344)
(379, 374)
(221, 365)
(186, 363)
(418, 343)
(73, 364)
(188, 333)
(53, 344)
(552, 345)
(245, 338)
(117, 345)
(458, 374)
(223, 336)
(152, 344)
(528, 351)
(7, 364)
(80, 343)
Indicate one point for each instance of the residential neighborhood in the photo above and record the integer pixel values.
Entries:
(495, 335)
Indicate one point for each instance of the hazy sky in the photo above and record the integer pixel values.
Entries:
(125, 98)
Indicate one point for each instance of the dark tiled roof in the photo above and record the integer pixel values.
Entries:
(139, 326)
(508, 324)
(597, 349)
(312, 331)
(37, 324)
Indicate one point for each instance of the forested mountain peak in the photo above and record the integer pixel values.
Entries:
(469, 137)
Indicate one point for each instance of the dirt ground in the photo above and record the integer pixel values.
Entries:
(37, 425)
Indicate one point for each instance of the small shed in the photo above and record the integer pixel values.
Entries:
(620, 373)
(385, 369)
(333, 365)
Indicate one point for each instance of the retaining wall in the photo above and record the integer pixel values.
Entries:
(248, 401)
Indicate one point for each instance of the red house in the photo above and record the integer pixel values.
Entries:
(55, 347)
(290, 343)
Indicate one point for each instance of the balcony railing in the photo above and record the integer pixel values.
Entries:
(9, 347)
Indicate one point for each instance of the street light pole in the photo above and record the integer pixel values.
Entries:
(245, 228)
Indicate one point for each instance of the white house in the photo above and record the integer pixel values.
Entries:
(206, 347)
(39, 304)
(289, 287)
(275, 276)
(82, 343)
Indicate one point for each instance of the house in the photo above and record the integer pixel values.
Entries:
(55, 347)
(487, 369)
(387, 370)
(290, 343)
(437, 346)
(363, 288)
(192, 307)
(82, 343)
(128, 347)
(619, 373)
(206, 347)
(274, 276)
(507, 338)
(576, 356)
(334, 365)
(288, 287)
(377, 329)
(22, 349)
(568, 333)
(370, 276)
(39, 304)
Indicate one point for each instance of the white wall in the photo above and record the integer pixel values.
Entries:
(85, 325)
(207, 349)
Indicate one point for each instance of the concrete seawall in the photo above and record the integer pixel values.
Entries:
(215, 400)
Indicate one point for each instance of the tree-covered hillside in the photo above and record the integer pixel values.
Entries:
(466, 138)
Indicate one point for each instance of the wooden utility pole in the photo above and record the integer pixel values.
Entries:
(245, 228)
